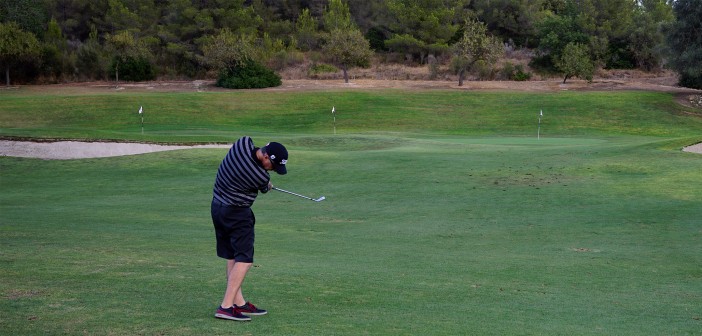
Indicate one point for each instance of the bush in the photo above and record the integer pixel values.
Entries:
(52, 63)
(433, 67)
(543, 65)
(249, 75)
(133, 69)
(507, 71)
(283, 58)
(90, 62)
(520, 75)
(694, 82)
(483, 70)
(320, 68)
(376, 39)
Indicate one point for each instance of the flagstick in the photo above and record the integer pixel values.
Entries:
(141, 113)
(538, 132)
(334, 114)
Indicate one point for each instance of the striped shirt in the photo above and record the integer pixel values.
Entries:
(240, 177)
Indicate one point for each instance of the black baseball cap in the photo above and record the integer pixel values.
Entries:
(278, 155)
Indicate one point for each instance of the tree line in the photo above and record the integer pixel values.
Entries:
(75, 40)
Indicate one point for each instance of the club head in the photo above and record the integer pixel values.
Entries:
(321, 198)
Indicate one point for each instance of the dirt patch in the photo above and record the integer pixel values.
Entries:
(584, 250)
(693, 100)
(16, 294)
(553, 85)
(392, 77)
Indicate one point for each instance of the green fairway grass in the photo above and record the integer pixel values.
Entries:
(444, 215)
(214, 116)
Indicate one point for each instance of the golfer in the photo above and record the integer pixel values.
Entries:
(241, 175)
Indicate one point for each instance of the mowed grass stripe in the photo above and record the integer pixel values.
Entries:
(176, 116)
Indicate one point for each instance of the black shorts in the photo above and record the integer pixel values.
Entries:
(234, 229)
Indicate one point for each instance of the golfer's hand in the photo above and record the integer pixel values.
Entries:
(267, 188)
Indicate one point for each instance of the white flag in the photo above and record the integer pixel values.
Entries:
(332, 109)
(541, 113)
(141, 109)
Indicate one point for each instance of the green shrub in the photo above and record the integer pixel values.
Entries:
(285, 58)
(433, 70)
(52, 63)
(376, 38)
(90, 62)
(319, 68)
(519, 74)
(690, 81)
(514, 72)
(249, 75)
(483, 70)
(543, 65)
(507, 71)
(133, 69)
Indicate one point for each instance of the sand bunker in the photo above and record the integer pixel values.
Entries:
(694, 148)
(65, 150)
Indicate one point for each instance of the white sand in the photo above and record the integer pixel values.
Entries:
(64, 150)
(694, 148)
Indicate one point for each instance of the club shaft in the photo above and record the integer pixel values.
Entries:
(292, 193)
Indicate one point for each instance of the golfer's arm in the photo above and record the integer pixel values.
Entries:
(266, 188)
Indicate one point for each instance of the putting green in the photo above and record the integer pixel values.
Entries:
(516, 141)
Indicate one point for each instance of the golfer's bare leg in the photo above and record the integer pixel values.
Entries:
(236, 272)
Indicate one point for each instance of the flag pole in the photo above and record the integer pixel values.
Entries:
(141, 113)
(538, 132)
(334, 115)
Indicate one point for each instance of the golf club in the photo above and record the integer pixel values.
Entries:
(321, 198)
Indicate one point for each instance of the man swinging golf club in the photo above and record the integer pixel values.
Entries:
(241, 175)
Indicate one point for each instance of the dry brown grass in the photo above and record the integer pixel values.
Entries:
(389, 73)
(380, 69)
